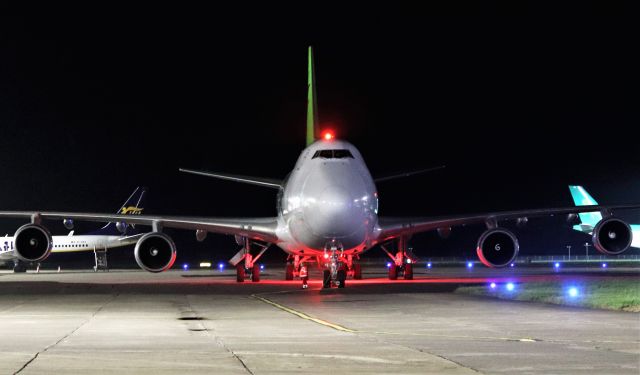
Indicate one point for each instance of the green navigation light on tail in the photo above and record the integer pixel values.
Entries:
(312, 104)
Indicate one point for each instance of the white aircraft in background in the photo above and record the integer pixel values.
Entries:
(589, 220)
(327, 212)
(114, 234)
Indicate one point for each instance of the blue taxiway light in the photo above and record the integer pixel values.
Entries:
(262, 266)
(604, 265)
(429, 265)
(510, 287)
(556, 265)
(185, 266)
(573, 291)
(492, 285)
(389, 265)
(221, 266)
(513, 264)
(469, 265)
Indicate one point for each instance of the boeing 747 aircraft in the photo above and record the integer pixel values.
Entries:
(114, 234)
(327, 213)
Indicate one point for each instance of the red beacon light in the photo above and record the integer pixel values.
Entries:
(328, 135)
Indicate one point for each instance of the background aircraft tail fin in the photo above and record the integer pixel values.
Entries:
(312, 104)
(134, 205)
(582, 198)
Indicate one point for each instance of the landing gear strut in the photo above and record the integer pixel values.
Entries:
(19, 267)
(335, 268)
(245, 262)
(402, 261)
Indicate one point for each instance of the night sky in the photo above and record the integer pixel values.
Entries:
(518, 102)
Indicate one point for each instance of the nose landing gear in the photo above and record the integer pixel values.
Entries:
(335, 266)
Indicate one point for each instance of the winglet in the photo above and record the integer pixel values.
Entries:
(312, 104)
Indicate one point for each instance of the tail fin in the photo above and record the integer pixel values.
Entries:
(582, 198)
(132, 206)
(312, 104)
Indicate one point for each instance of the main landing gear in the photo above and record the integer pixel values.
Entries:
(19, 267)
(247, 264)
(402, 262)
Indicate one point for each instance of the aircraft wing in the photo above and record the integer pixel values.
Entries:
(393, 227)
(262, 229)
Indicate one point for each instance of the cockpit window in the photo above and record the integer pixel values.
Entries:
(332, 154)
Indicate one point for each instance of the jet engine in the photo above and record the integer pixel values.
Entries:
(33, 243)
(121, 227)
(497, 247)
(612, 236)
(155, 252)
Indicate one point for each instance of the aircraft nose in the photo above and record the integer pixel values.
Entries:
(334, 213)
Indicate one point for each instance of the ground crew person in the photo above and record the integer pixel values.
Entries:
(304, 276)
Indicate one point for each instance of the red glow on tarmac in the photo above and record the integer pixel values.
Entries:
(316, 282)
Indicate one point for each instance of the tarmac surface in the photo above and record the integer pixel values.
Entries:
(200, 322)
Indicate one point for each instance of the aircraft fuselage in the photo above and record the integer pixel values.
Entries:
(328, 200)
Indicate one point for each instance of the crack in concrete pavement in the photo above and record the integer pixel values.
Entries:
(113, 297)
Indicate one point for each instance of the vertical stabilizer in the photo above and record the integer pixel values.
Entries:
(134, 205)
(312, 104)
(582, 198)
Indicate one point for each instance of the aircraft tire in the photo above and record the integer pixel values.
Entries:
(393, 272)
(255, 273)
(357, 272)
(288, 273)
(408, 271)
(240, 272)
(342, 278)
(326, 279)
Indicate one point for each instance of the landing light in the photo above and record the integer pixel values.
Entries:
(408, 261)
(326, 256)
(510, 287)
(205, 264)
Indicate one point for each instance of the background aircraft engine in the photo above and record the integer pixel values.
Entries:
(612, 236)
(155, 252)
(497, 248)
(121, 227)
(33, 243)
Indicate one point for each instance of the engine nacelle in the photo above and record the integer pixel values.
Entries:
(497, 248)
(121, 227)
(201, 235)
(612, 236)
(155, 252)
(33, 243)
(68, 223)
